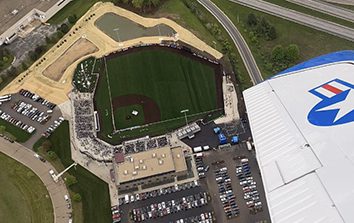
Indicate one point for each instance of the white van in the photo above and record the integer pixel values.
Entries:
(66, 197)
(126, 199)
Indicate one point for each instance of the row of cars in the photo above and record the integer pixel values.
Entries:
(116, 214)
(165, 208)
(18, 123)
(37, 98)
(31, 112)
(155, 193)
(207, 217)
(251, 195)
(201, 168)
(226, 194)
(52, 127)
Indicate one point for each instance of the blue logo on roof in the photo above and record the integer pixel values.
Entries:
(336, 106)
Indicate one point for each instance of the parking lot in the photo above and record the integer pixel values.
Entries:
(230, 158)
(180, 196)
(8, 107)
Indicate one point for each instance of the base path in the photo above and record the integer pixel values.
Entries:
(151, 109)
(56, 190)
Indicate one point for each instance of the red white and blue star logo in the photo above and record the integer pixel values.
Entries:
(336, 106)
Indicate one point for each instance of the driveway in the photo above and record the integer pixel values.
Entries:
(56, 190)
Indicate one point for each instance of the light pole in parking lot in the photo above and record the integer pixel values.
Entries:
(185, 115)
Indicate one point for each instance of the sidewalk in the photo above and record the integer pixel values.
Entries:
(56, 190)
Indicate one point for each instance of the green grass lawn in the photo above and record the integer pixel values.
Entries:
(18, 133)
(311, 42)
(312, 12)
(23, 196)
(123, 117)
(173, 81)
(5, 64)
(177, 11)
(95, 205)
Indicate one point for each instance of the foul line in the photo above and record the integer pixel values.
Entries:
(110, 95)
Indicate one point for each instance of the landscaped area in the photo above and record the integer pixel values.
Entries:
(310, 42)
(95, 204)
(13, 132)
(158, 83)
(23, 195)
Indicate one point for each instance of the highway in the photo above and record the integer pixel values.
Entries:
(238, 40)
(298, 17)
(56, 190)
(327, 8)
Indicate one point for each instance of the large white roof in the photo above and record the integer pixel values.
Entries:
(302, 123)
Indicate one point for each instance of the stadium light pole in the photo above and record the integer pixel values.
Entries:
(185, 115)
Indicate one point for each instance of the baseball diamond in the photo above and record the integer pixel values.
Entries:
(163, 81)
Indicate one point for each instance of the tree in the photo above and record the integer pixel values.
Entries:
(70, 180)
(292, 53)
(64, 28)
(46, 145)
(272, 34)
(72, 19)
(52, 155)
(138, 4)
(77, 197)
(2, 129)
(252, 19)
(278, 54)
(226, 47)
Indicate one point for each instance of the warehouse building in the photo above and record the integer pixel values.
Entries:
(150, 167)
(18, 14)
(302, 122)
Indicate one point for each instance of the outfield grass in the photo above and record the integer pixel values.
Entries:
(19, 134)
(311, 42)
(312, 12)
(95, 205)
(121, 114)
(23, 196)
(177, 11)
(173, 81)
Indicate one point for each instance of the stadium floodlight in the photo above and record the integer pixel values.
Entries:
(185, 115)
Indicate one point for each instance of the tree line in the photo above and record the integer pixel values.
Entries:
(142, 5)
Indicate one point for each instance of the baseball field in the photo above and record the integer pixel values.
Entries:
(143, 91)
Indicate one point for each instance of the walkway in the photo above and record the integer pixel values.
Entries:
(56, 190)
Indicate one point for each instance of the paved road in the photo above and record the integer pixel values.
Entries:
(56, 190)
(301, 18)
(327, 8)
(237, 38)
